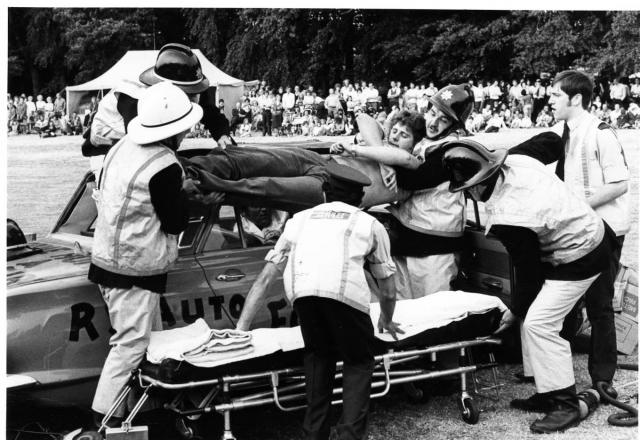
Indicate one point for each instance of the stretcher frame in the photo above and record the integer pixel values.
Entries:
(282, 387)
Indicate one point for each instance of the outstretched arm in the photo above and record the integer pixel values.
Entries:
(386, 155)
(255, 297)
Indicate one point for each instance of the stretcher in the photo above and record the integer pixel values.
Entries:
(452, 321)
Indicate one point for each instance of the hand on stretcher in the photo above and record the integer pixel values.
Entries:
(508, 318)
(393, 328)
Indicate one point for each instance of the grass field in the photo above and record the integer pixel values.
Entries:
(42, 174)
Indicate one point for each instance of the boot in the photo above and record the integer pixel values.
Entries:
(564, 415)
(535, 403)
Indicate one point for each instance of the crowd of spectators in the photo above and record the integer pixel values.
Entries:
(287, 111)
(522, 103)
(45, 117)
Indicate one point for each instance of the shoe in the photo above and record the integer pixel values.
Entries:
(524, 379)
(562, 417)
(610, 391)
(535, 403)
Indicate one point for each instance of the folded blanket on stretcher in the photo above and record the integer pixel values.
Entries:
(413, 315)
(198, 344)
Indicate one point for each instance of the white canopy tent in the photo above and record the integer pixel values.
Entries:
(134, 62)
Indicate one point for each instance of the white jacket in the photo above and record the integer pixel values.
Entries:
(531, 196)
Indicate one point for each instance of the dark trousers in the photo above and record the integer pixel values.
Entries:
(603, 354)
(283, 176)
(266, 122)
(334, 331)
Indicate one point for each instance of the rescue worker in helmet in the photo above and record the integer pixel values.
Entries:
(427, 230)
(135, 239)
(559, 247)
(176, 63)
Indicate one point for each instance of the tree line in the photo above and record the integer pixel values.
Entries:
(50, 48)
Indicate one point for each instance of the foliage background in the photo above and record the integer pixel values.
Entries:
(50, 48)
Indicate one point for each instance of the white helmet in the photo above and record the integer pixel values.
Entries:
(164, 110)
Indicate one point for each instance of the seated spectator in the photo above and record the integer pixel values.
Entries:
(304, 129)
(318, 128)
(625, 119)
(615, 114)
(338, 127)
(545, 118)
(495, 123)
(75, 124)
(50, 130)
(516, 121)
(40, 124)
(57, 123)
(487, 112)
(245, 128)
(349, 126)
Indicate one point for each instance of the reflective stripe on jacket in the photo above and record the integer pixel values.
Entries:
(128, 238)
(326, 247)
(531, 196)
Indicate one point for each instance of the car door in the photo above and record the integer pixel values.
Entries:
(217, 266)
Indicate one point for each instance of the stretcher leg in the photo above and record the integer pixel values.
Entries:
(227, 434)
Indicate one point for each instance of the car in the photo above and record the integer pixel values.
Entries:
(57, 324)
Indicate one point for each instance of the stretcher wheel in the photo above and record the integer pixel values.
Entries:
(186, 428)
(417, 392)
(469, 410)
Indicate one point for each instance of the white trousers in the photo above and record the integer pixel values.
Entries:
(545, 355)
(420, 276)
(133, 313)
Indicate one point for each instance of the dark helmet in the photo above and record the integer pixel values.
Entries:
(456, 101)
(470, 163)
(177, 63)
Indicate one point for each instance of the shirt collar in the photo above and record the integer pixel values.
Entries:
(574, 123)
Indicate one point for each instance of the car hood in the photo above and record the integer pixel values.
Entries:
(55, 257)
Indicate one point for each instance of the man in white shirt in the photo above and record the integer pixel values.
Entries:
(478, 95)
(288, 99)
(332, 103)
(320, 255)
(595, 169)
(618, 92)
